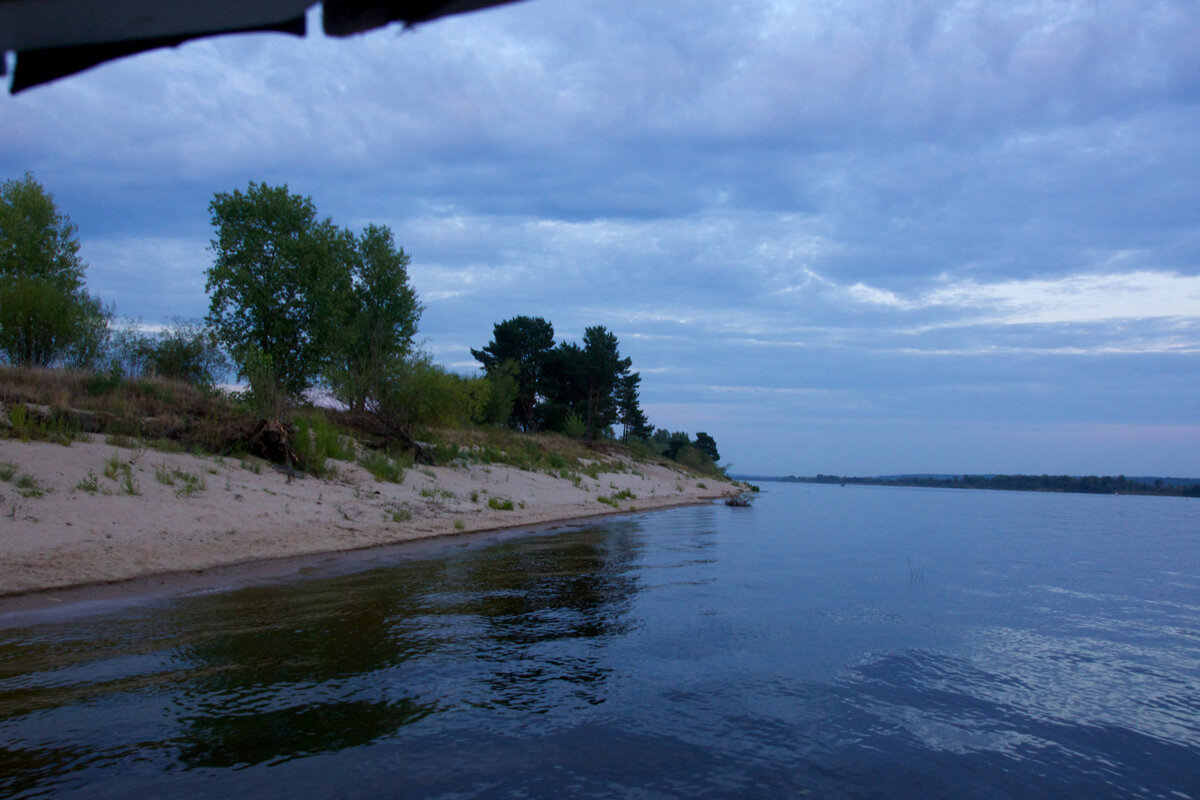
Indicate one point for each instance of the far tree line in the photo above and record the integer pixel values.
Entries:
(298, 303)
(1084, 484)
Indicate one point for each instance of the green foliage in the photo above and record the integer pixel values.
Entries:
(265, 398)
(502, 394)
(708, 446)
(184, 351)
(697, 461)
(46, 315)
(418, 392)
(382, 313)
(615, 499)
(500, 503)
(30, 427)
(519, 349)
(29, 486)
(317, 439)
(184, 483)
(574, 426)
(114, 466)
(381, 467)
(89, 484)
(279, 284)
(7, 470)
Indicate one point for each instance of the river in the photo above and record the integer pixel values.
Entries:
(827, 642)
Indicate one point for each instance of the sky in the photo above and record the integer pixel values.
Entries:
(856, 237)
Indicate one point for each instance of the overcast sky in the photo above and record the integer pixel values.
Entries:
(857, 237)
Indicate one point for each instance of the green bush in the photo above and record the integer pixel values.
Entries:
(381, 467)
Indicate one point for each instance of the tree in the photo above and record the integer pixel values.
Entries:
(381, 319)
(183, 351)
(46, 314)
(629, 411)
(603, 369)
(525, 343)
(707, 445)
(279, 283)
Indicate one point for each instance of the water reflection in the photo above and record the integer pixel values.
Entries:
(705, 652)
(273, 673)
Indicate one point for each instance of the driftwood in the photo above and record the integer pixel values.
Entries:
(740, 500)
(271, 439)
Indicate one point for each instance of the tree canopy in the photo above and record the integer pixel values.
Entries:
(306, 300)
(524, 344)
(46, 314)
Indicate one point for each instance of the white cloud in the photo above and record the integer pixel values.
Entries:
(1080, 298)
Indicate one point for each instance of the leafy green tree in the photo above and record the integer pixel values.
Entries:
(525, 343)
(46, 315)
(380, 319)
(279, 283)
(707, 445)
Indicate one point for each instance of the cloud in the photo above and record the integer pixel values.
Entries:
(1069, 299)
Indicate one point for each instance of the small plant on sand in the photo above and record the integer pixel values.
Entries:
(185, 484)
(90, 484)
(401, 515)
(112, 467)
(7, 470)
(459, 525)
(474, 497)
(29, 487)
(129, 484)
(500, 503)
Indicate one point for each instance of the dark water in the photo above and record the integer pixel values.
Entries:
(829, 642)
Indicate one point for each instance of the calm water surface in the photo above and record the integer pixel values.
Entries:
(829, 642)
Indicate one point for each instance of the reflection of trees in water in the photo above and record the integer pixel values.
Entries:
(273, 665)
(311, 666)
(542, 608)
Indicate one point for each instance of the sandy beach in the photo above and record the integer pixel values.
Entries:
(91, 513)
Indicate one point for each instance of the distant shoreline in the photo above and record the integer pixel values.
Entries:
(1064, 484)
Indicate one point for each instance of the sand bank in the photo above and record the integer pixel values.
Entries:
(92, 513)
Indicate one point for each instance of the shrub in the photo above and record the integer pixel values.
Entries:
(382, 468)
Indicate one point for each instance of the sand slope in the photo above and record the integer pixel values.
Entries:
(88, 528)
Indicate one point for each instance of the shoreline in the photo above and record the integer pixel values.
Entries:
(98, 516)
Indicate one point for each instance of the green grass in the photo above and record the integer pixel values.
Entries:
(113, 466)
(317, 439)
(28, 486)
(382, 467)
(615, 499)
(29, 426)
(185, 484)
(7, 470)
(500, 503)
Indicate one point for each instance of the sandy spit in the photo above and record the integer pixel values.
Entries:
(69, 524)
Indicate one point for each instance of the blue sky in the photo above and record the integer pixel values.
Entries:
(857, 237)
